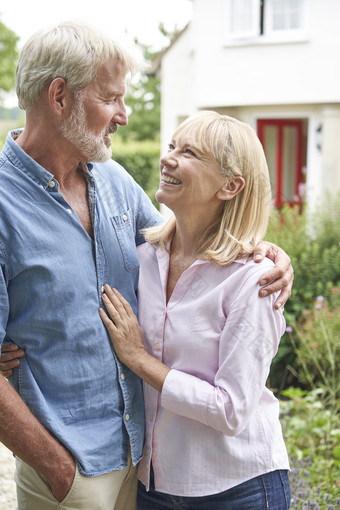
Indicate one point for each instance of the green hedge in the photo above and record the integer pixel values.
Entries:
(312, 241)
(141, 160)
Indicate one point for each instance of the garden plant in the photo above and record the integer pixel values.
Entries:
(305, 372)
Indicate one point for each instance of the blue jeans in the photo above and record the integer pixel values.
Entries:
(269, 491)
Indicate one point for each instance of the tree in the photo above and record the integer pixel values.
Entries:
(8, 58)
(144, 98)
(143, 101)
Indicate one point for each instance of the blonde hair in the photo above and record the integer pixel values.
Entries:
(238, 152)
(69, 50)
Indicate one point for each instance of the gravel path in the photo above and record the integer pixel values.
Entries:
(8, 498)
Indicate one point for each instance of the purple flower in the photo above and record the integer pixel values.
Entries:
(289, 329)
(320, 299)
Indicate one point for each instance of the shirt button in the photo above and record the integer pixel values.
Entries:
(51, 184)
(154, 454)
(151, 417)
(69, 211)
(102, 289)
(122, 376)
(127, 417)
(124, 217)
(41, 186)
(158, 347)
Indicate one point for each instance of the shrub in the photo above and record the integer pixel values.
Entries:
(312, 433)
(312, 242)
(316, 343)
(141, 160)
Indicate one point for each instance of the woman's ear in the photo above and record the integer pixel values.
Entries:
(231, 188)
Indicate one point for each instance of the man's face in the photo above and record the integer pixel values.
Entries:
(97, 111)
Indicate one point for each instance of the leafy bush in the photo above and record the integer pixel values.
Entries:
(312, 241)
(2, 141)
(141, 160)
(10, 119)
(312, 433)
(316, 343)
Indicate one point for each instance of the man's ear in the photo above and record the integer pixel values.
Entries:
(58, 95)
(231, 188)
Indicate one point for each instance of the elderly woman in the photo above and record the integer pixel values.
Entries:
(206, 340)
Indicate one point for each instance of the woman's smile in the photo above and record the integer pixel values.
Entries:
(170, 180)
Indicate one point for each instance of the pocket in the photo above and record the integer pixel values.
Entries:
(34, 490)
(126, 237)
(72, 490)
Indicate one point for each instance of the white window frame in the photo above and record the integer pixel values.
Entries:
(253, 36)
(284, 34)
(243, 34)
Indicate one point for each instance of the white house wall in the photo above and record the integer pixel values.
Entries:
(262, 72)
(178, 76)
(252, 81)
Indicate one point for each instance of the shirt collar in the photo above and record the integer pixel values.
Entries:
(160, 251)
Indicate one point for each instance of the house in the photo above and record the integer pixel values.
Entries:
(275, 65)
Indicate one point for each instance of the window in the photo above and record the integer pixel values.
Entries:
(243, 18)
(265, 19)
(284, 16)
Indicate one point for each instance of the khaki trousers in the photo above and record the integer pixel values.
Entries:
(111, 491)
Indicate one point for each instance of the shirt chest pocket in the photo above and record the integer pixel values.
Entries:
(126, 238)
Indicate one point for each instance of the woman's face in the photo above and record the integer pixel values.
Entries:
(190, 179)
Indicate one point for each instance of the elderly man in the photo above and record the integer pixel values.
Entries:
(67, 226)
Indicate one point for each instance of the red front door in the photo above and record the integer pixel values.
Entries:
(284, 143)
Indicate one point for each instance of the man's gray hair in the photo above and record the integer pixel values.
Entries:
(69, 50)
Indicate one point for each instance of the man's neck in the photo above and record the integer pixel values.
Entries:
(56, 158)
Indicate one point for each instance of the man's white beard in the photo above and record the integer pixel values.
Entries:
(76, 131)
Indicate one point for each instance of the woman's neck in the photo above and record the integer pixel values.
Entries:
(185, 244)
(186, 240)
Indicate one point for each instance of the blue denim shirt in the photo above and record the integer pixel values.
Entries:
(51, 281)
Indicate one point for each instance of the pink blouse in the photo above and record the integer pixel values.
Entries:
(215, 424)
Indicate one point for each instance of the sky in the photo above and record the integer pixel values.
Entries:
(120, 18)
(123, 20)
